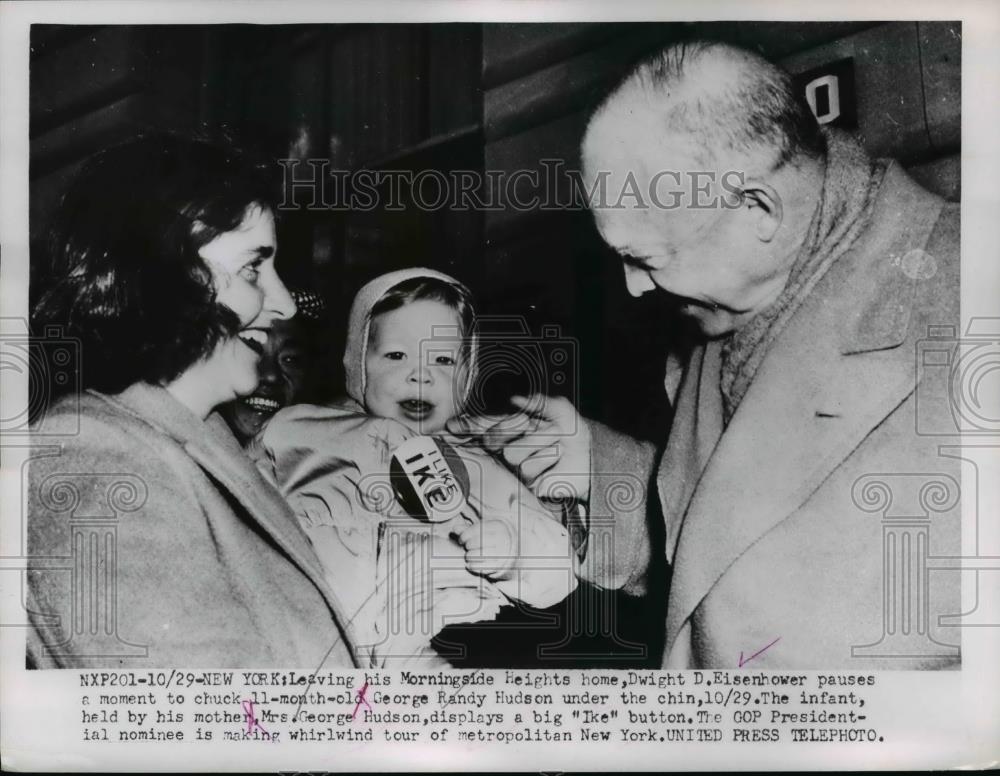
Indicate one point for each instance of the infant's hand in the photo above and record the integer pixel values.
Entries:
(528, 557)
(490, 547)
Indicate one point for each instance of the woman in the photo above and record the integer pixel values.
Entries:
(154, 541)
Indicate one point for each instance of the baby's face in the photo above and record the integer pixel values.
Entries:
(410, 377)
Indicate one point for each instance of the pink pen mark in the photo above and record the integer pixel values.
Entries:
(361, 699)
(758, 652)
(251, 717)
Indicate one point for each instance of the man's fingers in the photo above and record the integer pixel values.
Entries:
(535, 405)
(515, 455)
(491, 432)
(538, 416)
(562, 485)
(535, 466)
(472, 425)
(534, 455)
(515, 426)
(557, 410)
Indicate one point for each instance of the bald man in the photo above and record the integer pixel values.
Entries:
(811, 272)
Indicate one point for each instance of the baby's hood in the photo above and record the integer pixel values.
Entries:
(359, 324)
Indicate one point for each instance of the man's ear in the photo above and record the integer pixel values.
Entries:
(765, 203)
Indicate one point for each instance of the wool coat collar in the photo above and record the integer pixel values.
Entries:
(213, 447)
(834, 374)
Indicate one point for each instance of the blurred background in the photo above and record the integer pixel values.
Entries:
(476, 97)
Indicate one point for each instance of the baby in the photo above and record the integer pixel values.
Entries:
(410, 364)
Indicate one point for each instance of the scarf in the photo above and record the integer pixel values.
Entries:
(849, 186)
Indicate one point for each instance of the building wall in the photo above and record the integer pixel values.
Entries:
(478, 97)
(482, 98)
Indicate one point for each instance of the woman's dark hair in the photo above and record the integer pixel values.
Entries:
(123, 275)
(454, 295)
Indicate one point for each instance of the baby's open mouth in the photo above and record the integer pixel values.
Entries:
(255, 339)
(416, 409)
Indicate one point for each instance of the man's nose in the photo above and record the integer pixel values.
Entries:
(277, 300)
(268, 371)
(637, 281)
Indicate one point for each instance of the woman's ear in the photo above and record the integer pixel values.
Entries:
(765, 204)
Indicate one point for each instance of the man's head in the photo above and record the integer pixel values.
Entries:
(712, 167)
(287, 371)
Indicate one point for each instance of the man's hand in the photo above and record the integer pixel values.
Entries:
(547, 444)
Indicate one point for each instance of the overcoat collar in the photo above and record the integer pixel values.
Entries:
(834, 374)
(213, 447)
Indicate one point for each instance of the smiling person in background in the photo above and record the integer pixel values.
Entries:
(286, 371)
(161, 267)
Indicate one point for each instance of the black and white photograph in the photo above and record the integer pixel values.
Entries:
(415, 384)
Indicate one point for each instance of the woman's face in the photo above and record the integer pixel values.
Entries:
(242, 266)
